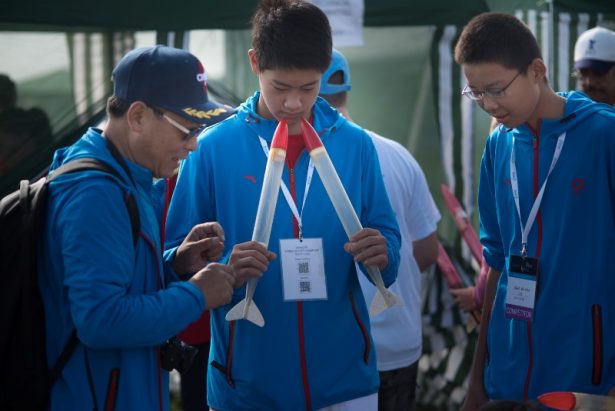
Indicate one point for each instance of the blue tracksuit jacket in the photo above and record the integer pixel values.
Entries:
(311, 354)
(570, 345)
(93, 278)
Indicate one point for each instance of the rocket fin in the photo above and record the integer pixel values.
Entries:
(383, 300)
(252, 314)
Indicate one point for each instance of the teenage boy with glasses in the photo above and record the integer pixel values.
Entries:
(546, 200)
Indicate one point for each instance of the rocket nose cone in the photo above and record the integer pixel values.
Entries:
(310, 136)
(280, 136)
(559, 400)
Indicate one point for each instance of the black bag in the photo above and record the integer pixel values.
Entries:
(25, 378)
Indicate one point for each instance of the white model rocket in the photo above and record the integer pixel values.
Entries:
(567, 400)
(246, 308)
(383, 298)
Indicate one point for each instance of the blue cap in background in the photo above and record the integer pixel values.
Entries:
(338, 63)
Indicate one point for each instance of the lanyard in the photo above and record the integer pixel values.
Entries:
(287, 195)
(525, 231)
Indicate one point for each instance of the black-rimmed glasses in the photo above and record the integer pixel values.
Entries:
(189, 132)
(493, 93)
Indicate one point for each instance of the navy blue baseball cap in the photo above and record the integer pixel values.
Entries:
(338, 63)
(169, 78)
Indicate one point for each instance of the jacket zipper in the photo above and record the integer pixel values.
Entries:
(227, 368)
(151, 244)
(536, 150)
(300, 329)
(112, 387)
(362, 327)
(597, 344)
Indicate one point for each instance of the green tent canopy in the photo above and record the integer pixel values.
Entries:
(191, 15)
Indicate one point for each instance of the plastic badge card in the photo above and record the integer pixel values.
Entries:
(303, 269)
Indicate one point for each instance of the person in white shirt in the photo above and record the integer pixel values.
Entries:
(397, 331)
(594, 63)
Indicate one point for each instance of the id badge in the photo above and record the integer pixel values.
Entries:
(303, 269)
(521, 290)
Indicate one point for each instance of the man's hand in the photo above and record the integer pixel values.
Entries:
(464, 298)
(369, 247)
(476, 395)
(216, 282)
(249, 260)
(203, 244)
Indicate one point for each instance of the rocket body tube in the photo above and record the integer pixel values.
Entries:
(343, 207)
(269, 196)
(246, 308)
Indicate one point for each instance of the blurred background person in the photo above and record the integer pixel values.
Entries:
(8, 92)
(594, 63)
(397, 332)
(21, 131)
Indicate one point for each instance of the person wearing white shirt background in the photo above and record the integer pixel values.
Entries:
(594, 63)
(396, 332)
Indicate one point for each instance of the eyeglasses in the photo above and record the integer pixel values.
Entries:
(189, 132)
(493, 93)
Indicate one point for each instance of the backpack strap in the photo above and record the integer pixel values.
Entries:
(120, 160)
(83, 164)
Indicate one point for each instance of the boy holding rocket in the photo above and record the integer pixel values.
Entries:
(315, 350)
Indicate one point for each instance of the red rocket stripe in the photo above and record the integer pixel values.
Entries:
(310, 136)
(280, 136)
(560, 400)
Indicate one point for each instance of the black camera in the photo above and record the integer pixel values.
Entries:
(176, 354)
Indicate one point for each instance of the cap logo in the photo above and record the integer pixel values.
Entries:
(591, 44)
(201, 77)
(215, 112)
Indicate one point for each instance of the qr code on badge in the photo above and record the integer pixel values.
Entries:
(304, 267)
(305, 286)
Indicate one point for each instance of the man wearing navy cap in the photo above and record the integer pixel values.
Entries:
(594, 63)
(118, 295)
